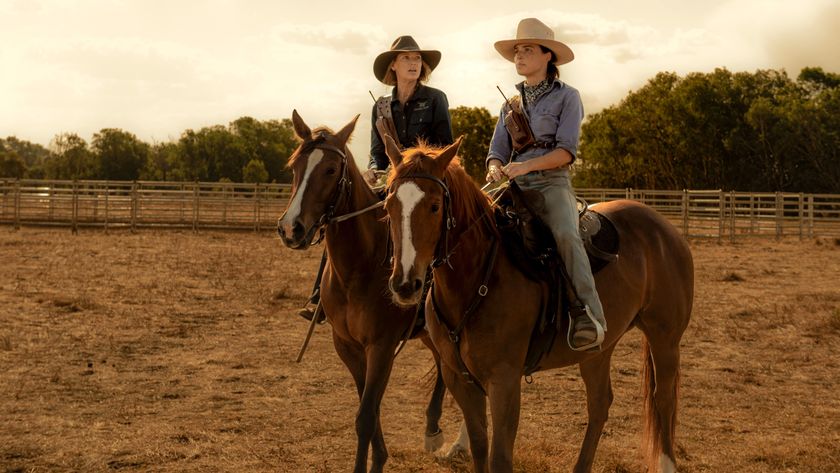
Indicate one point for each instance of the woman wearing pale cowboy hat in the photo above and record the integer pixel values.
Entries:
(411, 113)
(416, 111)
(554, 112)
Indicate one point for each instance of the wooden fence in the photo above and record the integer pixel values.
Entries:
(204, 205)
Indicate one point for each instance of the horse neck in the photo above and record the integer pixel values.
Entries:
(360, 239)
(458, 281)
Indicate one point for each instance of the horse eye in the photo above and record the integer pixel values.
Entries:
(330, 171)
(435, 208)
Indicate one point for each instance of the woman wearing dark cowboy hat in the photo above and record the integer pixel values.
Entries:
(554, 111)
(411, 113)
(419, 112)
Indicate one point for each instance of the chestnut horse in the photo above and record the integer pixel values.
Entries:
(438, 215)
(367, 327)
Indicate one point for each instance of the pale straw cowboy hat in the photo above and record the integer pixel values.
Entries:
(533, 31)
(403, 44)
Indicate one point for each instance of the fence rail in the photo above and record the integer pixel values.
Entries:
(217, 205)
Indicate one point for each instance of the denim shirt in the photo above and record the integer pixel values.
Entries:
(554, 117)
(425, 116)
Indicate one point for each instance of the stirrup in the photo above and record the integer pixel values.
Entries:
(308, 313)
(599, 333)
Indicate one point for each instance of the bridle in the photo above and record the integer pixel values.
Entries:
(342, 189)
(442, 251)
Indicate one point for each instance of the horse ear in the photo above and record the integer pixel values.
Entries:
(344, 133)
(301, 129)
(445, 157)
(393, 151)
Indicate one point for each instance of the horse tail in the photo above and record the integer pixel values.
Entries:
(657, 427)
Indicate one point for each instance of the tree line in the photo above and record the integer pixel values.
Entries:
(760, 131)
(246, 150)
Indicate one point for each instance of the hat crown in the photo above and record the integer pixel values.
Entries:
(532, 28)
(404, 43)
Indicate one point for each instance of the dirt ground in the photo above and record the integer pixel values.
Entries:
(174, 351)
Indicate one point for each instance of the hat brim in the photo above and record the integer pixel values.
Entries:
(563, 53)
(381, 63)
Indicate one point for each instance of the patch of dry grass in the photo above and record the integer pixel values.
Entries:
(173, 351)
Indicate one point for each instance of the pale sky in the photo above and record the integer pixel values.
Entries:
(158, 67)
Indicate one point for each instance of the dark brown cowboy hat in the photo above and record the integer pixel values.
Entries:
(403, 44)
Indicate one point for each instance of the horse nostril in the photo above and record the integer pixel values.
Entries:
(418, 284)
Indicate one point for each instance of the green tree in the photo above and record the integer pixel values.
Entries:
(756, 131)
(120, 154)
(162, 159)
(255, 172)
(11, 165)
(32, 154)
(476, 125)
(70, 159)
(271, 142)
(211, 154)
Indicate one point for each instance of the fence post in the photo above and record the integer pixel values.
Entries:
(731, 216)
(779, 215)
(810, 215)
(17, 204)
(75, 207)
(685, 213)
(107, 191)
(224, 204)
(721, 213)
(752, 213)
(133, 206)
(195, 206)
(257, 207)
(801, 215)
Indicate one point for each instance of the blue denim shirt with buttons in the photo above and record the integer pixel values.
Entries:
(554, 117)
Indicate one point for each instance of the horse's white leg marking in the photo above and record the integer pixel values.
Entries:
(409, 194)
(666, 465)
(462, 444)
(294, 208)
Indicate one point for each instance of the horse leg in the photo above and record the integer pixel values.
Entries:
(473, 405)
(434, 435)
(505, 397)
(380, 360)
(599, 396)
(353, 357)
(661, 367)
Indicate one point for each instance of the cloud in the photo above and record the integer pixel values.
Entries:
(345, 37)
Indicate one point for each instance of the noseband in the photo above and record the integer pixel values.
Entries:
(442, 253)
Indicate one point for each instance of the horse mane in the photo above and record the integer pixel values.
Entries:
(468, 202)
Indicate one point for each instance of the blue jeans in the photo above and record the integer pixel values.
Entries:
(560, 214)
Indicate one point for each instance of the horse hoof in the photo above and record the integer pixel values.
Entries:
(434, 441)
(456, 450)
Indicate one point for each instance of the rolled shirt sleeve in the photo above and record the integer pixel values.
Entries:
(568, 127)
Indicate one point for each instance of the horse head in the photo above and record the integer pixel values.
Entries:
(419, 210)
(320, 167)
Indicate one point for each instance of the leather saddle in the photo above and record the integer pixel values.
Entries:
(531, 247)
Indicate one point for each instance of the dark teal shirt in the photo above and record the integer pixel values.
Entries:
(425, 116)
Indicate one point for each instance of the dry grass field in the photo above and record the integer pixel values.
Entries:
(173, 351)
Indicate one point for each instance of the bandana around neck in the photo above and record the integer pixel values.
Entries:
(533, 92)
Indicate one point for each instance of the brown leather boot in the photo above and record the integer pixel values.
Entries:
(308, 312)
